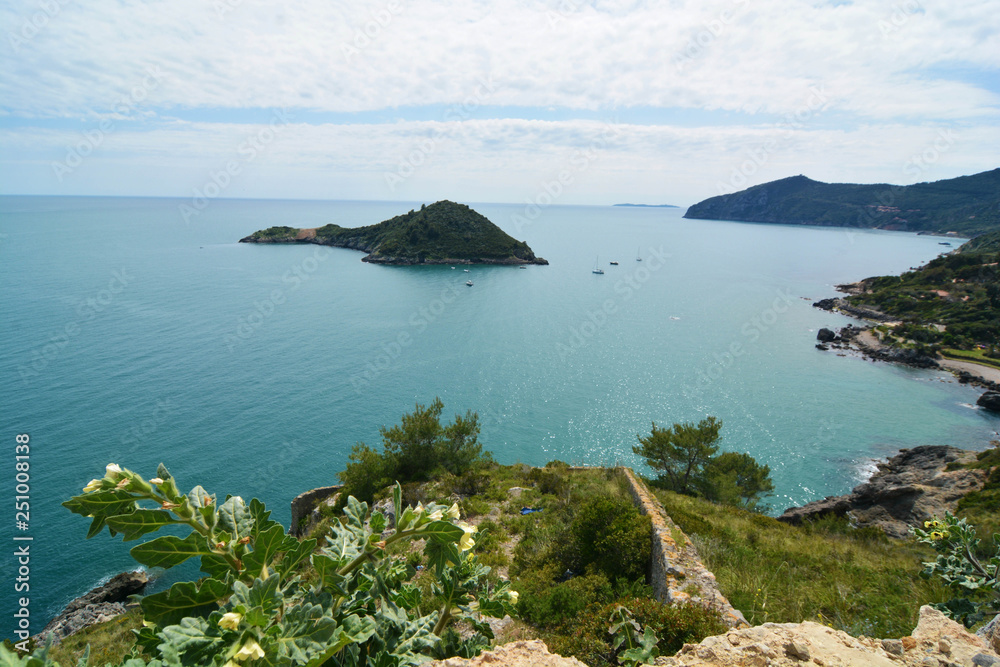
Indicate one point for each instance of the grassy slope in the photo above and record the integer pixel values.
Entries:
(980, 508)
(967, 205)
(857, 581)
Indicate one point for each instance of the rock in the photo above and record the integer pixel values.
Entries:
(821, 346)
(826, 335)
(97, 606)
(827, 304)
(797, 650)
(912, 487)
(906, 357)
(791, 644)
(532, 653)
(304, 508)
(892, 646)
(388, 510)
(991, 633)
(990, 400)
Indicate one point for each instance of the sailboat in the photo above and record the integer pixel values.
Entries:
(597, 269)
(638, 257)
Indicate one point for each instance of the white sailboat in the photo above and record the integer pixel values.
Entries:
(638, 257)
(597, 269)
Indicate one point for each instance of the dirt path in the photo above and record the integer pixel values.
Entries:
(985, 372)
(306, 234)
(866, 339)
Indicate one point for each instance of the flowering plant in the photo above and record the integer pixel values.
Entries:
(957, 564)
(261, 603)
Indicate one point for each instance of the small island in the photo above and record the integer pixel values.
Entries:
(441, 233)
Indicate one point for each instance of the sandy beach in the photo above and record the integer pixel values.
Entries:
(867, 340)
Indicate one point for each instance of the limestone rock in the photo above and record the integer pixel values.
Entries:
(936, 637)
(910, 488)
(991, 633)
(532, 653)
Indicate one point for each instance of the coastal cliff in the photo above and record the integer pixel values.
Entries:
(966, 205)
(914, 486)
(442, 233)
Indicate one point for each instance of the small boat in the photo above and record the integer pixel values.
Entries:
(599, 271)
(638, 257)
(614, 263)
(453, 268)
(522, 267)
(943, 243)
(469, 283)
(466, 270)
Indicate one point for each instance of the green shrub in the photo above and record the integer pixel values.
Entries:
(415, 450)
(586, 636)
(611, 535)
(546, 604)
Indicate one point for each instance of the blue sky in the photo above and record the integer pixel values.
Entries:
(491, 100)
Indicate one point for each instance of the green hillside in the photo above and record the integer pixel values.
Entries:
(444, 232)
(968, 205)
(952, 301)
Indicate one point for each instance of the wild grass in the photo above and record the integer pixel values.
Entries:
(110, 642)
(859, 581)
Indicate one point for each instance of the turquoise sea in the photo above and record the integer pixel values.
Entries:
(130, 335)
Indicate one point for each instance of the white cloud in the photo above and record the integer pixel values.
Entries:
(484, 160)
(888, 75)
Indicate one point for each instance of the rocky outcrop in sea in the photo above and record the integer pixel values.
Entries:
(910, 488)
(97, 606)
(990, 400)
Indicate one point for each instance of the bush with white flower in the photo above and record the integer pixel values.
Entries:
(260, 602)
(958, 565)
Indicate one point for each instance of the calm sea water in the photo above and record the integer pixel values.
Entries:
(131, 336)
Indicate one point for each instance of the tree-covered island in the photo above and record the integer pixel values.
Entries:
(441, 233)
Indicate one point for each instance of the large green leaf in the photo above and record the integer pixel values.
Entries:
(260, 516)
(101, 503)
(353, 631)
(215, 566)
(299, 553)
(234, 518)
(326, 568)
(305, 634)
(136, 524)
(265, 547)
(194, 639)
(169, 550)
(442, 531)
(185, 598)
(439, 554)
(199, 497)
(263, 594)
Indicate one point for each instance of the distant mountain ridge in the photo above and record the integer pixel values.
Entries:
(442, 233)
(967, 205)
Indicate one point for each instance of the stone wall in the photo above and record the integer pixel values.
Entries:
(677, 574)
(303, 504)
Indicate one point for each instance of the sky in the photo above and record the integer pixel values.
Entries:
(547, 101)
